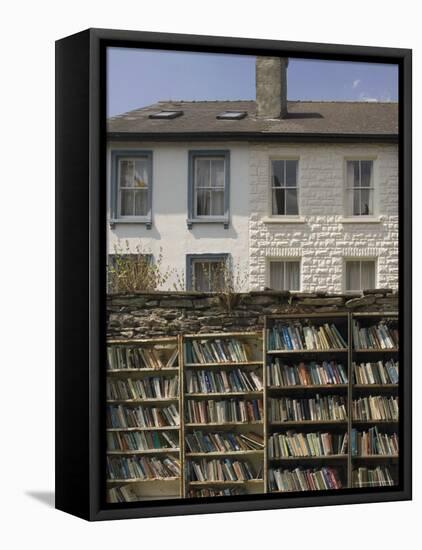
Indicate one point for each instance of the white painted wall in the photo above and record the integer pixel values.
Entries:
(323, 241)
(169, 231)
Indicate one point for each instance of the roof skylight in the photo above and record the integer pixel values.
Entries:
(232, 115)
(166, 114)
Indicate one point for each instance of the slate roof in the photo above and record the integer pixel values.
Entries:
(304, 117)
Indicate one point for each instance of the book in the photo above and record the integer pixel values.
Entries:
(305, 374)
(141, 441)
(376, 373)
(144, 467)
(198, 492)
(376, 477)
(219, 350)
(154, 387)
(124, 493)
(119, 416)
(378, 407)
(235, 380)
(292, 443)
(383, 335)
(371, 442)
(291, 336)
(227, 410)
(160, 356)
(227, 469)
(318, 408)
(301, 479)
(207, 442)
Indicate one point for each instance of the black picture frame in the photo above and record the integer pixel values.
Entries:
(81, 274)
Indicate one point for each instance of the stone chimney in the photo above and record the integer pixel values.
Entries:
(271, 87)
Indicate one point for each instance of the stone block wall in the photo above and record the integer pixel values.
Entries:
(322, 239)
(147, 315)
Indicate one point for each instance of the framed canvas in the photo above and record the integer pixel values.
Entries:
(233, 274)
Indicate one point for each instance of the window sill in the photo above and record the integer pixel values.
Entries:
(138, 221)
(284, 219)
(361, 219)
(193, 221)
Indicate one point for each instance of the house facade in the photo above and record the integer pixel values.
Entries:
(299, 196)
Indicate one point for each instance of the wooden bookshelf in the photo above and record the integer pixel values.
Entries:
(260, 357)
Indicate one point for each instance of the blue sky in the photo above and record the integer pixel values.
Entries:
(136, 78)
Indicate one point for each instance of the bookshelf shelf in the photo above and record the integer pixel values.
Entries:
(332, 387)
(305, 351)
(226, 394)
(222, 424)
(144, 452)
(310, 458)
(226, 453)
(141, 480)
(143, 429)
(184, 351)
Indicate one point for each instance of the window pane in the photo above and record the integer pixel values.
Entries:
(141, 202)
(366, 173)
(292, 278)
(291, 173)
(200, 277)
(202, 173)
(141, 173)
(277, 173)
(366, 202)
(217, 173)
(352, 275)
(278, 202)
(217, 203)
(368, 275)
(352, 173)
(126, 173)
(216, 276)
(277, 275)
(126, 203)
(203, 203)
(356, 202)
(291, 202)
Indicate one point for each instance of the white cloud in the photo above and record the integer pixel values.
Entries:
(356, 83)
(363, 96)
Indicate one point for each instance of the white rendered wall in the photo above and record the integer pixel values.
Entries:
(169, 233)
(323, 242)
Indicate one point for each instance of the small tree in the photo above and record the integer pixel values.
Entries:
(136, 271)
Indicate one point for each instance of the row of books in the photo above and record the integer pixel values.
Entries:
(203, 492)
(129, 357)
(145, 467)
(124, 493)
(371, 442)
(330, 407)
(296, 336)
(118, 416)
(384, 335)
(291, 443)
(378, 407)
(301, 479)
(229, 410)
(235, 380)
(305, 374)
(376, 477)
(205, 442)
(147, 388)
(376, 373)
(141, 441)
(222, 469)
(226, 350)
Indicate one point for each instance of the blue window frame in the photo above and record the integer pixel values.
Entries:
(208, 187)
(205, 272)
(131, 187)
